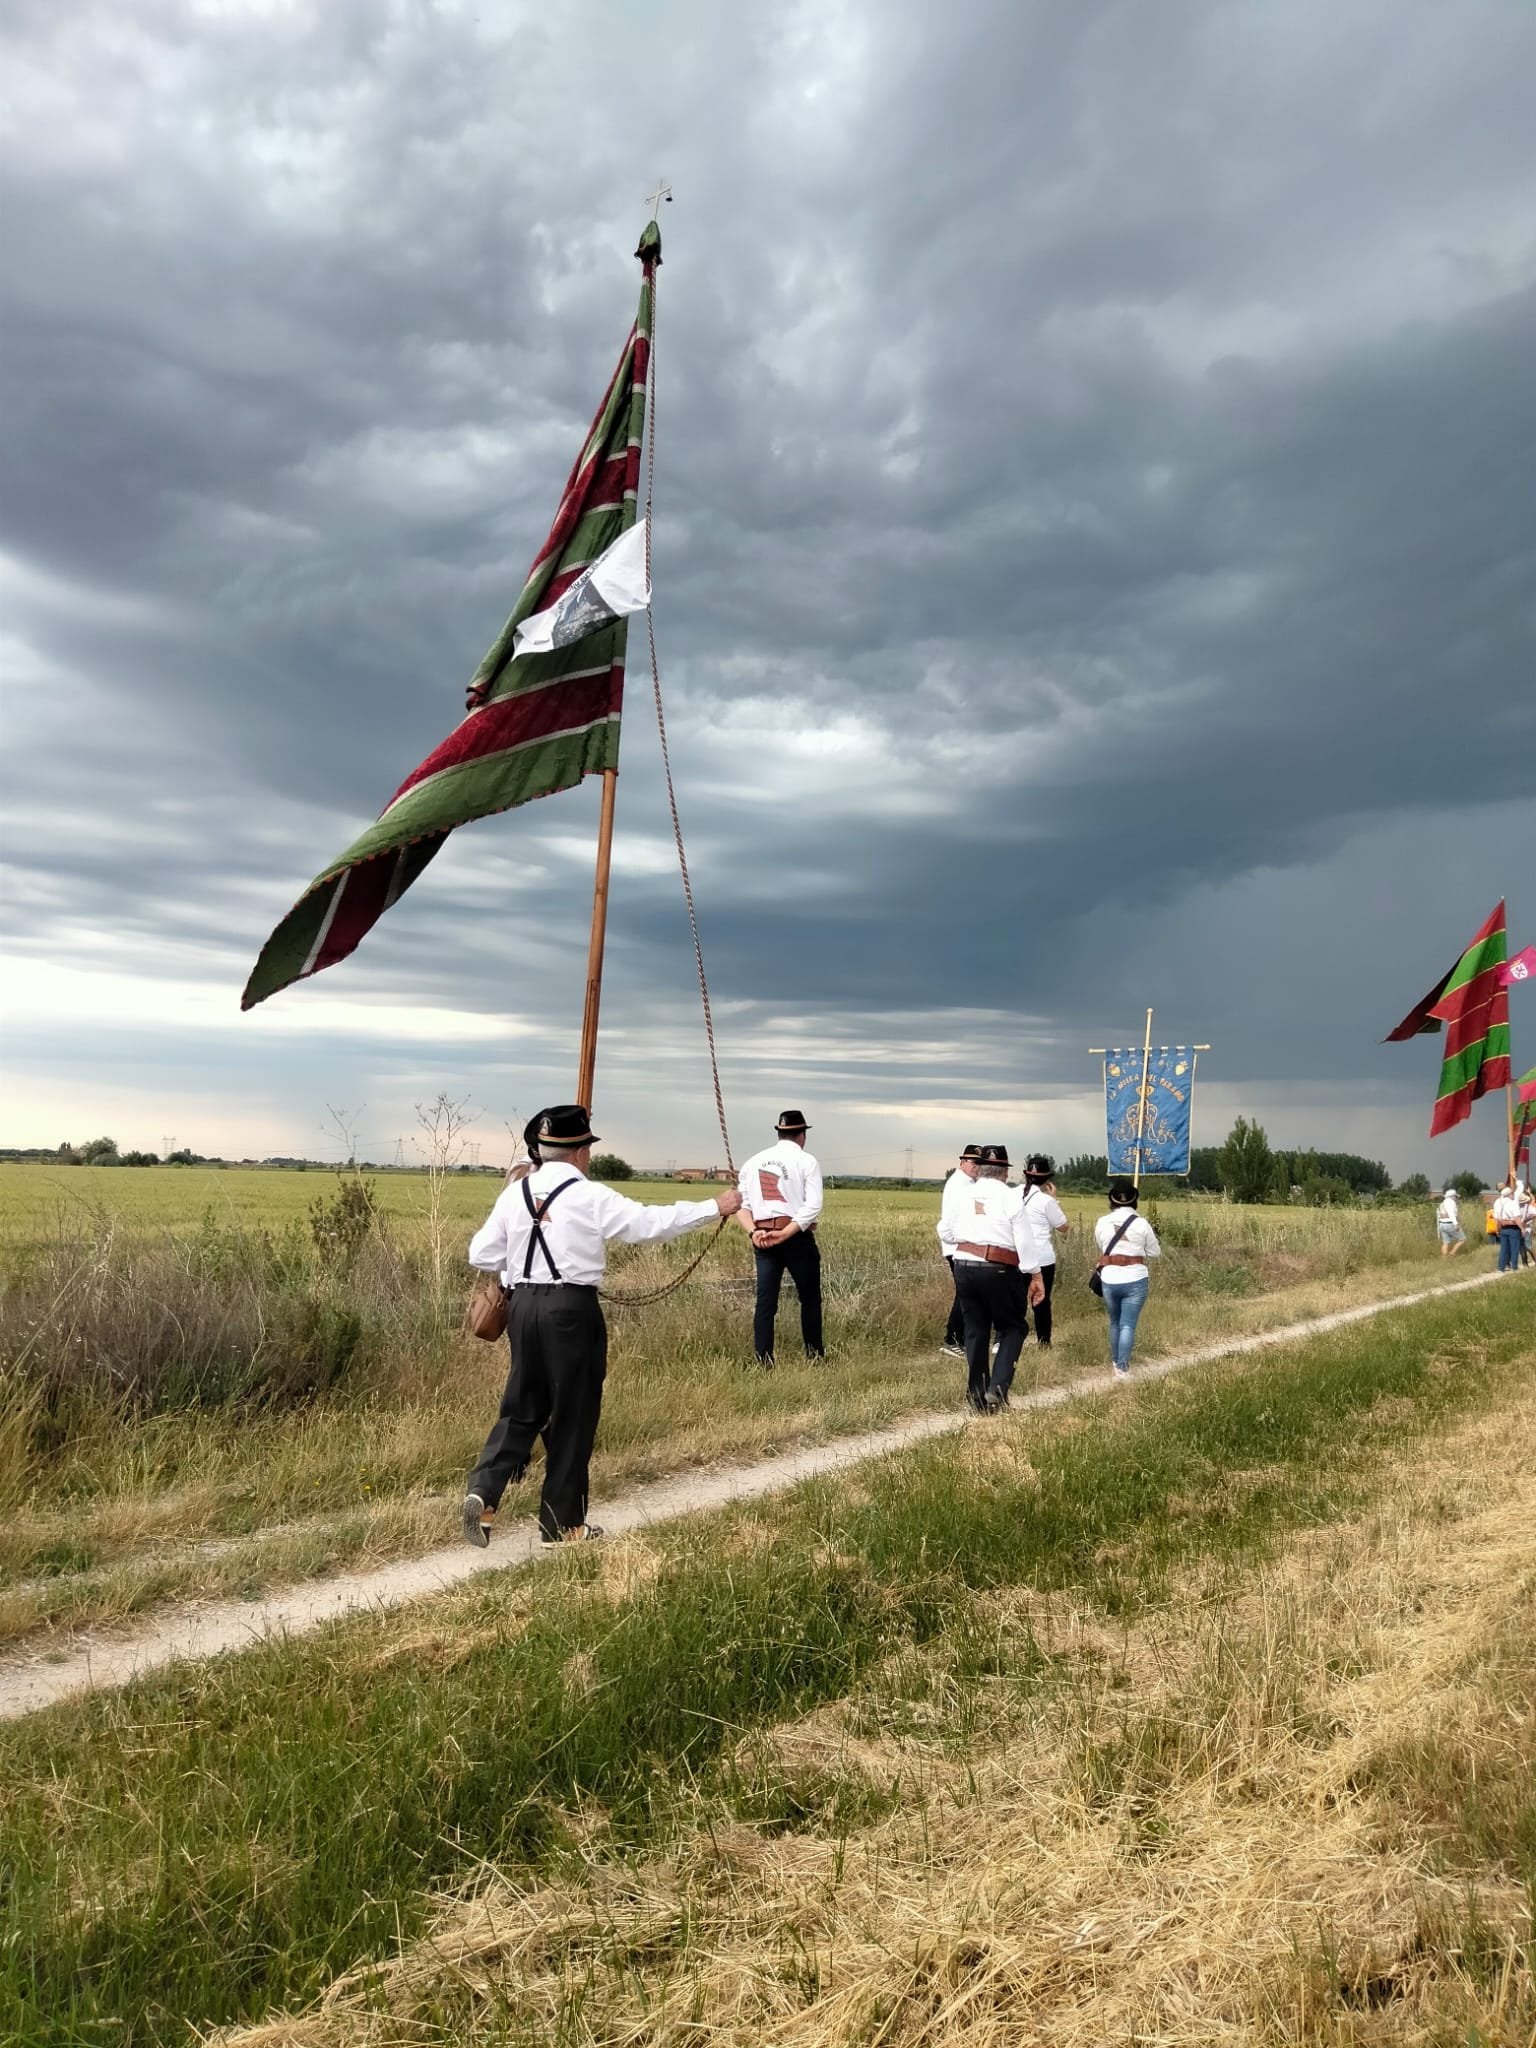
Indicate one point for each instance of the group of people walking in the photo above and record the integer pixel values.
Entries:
(1510, 1224)
(547, 1242)
(1514, 1213)
(999, 1241)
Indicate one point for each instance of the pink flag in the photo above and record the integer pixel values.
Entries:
(1521, 968)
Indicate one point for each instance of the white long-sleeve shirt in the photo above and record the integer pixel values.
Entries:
(581, 1224)
(949, 1207)
(1139, 1243)
(781, 1180)
(1506, 1209)
(991, 1212)
(1044, 1214)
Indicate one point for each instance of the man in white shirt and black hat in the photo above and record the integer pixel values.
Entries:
(548, 1238)
(997, 1270)
(960, 1178)
(781, 1199)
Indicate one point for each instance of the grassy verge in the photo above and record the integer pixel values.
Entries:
(216, 1841)
(1290, 1804)
(110, 1505)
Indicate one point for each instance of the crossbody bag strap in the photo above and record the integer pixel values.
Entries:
(536, 1239)
(1103, 1255)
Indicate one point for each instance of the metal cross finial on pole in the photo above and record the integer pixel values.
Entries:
(662, 196)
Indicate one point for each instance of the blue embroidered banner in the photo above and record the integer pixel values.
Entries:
(1164, 1130)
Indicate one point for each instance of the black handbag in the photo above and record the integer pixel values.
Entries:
(1096, 1277)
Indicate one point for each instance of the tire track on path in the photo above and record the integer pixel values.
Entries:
(28, 1684)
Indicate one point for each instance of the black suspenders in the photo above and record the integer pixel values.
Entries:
(536, 1240)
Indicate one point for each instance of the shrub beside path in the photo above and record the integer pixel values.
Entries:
(30, 1683)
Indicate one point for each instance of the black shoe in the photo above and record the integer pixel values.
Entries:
(815, 1358)
(472, 1520)
(995, 1402)
(765, 1360)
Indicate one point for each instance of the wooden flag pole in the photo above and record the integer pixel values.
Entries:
(1141, 1110)
(587, 1062)
(1509, 1118)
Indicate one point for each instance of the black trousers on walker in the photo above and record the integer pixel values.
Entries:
(994, 1298)
(800, 1257)
(559, 1345)
(1043, 1308)
(954, 1329)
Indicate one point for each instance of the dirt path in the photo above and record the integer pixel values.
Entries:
(99, 1663)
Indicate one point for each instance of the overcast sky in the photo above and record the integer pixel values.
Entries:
(1094, 554)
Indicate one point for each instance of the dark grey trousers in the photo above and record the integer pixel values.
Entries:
(559, 1345)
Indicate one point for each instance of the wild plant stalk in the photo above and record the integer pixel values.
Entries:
(444, 1122)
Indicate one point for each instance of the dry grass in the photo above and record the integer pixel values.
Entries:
(1243, 1820)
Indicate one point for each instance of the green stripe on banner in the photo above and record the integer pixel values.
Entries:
(1475, 961)
(478, 789)
(1464, 1068)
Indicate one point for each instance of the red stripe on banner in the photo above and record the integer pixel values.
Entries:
(1483, 1002)
(514, 721)
(1451, 1110)
(370, 889)
(579, 483)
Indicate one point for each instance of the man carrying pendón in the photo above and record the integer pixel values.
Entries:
(781, 1200)
(548, 1237)
(997, 1270)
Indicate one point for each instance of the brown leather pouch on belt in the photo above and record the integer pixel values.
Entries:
(487, 1315)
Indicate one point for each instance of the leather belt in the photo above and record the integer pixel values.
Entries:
(994, 1254)
(1123, 1259)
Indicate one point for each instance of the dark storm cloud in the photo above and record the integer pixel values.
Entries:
(1093, 474)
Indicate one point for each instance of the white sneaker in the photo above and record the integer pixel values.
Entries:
(473, 1520)
(950, 1351)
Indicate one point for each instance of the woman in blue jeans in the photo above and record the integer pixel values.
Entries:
(1126, 1242)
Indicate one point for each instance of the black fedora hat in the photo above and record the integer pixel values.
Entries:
(994, 1155)
(567, 1123)
(1039, 1165)
(791, 1120)
(970, 1151)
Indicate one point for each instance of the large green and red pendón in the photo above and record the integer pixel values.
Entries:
(537, 722)
(1474, 1008)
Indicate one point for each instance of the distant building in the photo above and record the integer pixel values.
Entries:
(703, 1173)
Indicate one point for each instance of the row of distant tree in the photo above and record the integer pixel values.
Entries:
(102, 1152)
(1244, 1169)
(1247, 1169)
